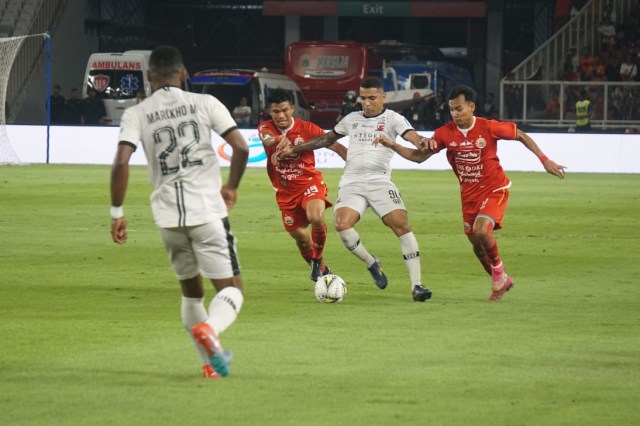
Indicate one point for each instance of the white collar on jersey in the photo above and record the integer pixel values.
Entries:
(467, 130)
(374, 116)
(285, 131)
(166, 87)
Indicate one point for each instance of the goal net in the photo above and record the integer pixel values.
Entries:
(9, 48)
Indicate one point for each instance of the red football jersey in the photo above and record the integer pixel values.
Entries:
(292, 174)
(474, 156)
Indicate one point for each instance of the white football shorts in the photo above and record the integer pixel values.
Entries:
(208, 249)
(381, 195)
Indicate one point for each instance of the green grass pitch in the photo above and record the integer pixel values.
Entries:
(91, 331)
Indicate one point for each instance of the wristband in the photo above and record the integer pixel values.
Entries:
(543, 158)
(117, 212)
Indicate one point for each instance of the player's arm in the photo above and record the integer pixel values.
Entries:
(549, 165)
(119, 182)
(411, 154)
(268, 138)
(239, 157)
(419, 141)
(321, 141)
(339, 149)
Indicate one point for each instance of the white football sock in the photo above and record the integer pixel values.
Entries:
(193, 312)
(411, 255)
(351, 241)
(224, 308)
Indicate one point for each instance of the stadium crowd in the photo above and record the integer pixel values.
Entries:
(616, 61)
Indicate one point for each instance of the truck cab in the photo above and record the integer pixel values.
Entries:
(229, 86)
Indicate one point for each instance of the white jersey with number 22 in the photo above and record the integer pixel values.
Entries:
(174, 128)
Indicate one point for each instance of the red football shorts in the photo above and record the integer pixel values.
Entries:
(293, 206)
(493, 206)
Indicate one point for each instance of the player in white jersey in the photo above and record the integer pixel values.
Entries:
(189, 201)
(366, 181)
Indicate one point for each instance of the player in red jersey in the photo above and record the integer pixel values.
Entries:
(471, 144)
(300, 190)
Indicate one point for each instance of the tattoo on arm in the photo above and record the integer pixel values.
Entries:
(321, 141)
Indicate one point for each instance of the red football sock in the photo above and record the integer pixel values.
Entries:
(318, 238)
(492, 252)
(307, 255)
(486, 263)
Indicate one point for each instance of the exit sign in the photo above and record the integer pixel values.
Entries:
(374, 8)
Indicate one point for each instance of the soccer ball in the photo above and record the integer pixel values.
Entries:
(330, 288)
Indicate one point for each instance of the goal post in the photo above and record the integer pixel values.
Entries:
(9, 49)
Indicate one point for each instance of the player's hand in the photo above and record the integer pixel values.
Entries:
(119, 230)
(285, 152)
(284, 141)
(229, 195)
(384, 141)
(428, 143)
(555, 169)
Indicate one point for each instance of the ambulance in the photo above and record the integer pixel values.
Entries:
(117, 77)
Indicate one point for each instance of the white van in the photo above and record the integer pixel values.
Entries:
(231, 85)
(117, 77)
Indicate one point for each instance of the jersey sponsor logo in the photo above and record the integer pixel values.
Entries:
(100, 82)
(481, 142)
(468, 157)
(256, 150)
(466, 144)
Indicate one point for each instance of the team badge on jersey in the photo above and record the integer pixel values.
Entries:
(380, 126)
(288, 220)
(481, 142)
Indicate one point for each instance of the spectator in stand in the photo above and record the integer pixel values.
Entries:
(609, 12)
(513, 99)
(489, 110)
(607, 32)
(612, 69)
(552, 110)
(572, 60)
(441, 111)
(56, 101)
(242, 113)
(416, 112)
(73, 108)
(570, 74)
(628, 69)
(93, 110)
(629, 106)
(584, 109)
(586, 64)
(599, 71)
(350, 104)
